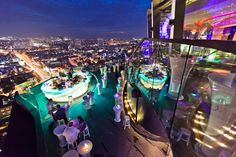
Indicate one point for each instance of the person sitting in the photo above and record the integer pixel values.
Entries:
(60, 114)
(67, 83)
(71, 133)
(81, 124)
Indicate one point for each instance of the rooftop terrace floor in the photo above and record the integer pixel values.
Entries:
(109, 138)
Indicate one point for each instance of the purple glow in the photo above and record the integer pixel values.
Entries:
(165, 28)
(117, 95)
(146, 49)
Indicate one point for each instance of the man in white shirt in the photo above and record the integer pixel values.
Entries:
(71, 133)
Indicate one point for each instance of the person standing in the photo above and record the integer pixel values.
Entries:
(70, 73)
(49, 106)
(60, 114)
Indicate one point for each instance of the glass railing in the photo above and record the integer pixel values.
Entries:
(191, 87)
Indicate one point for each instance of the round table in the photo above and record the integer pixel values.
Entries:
(117, 109)
(104, 82)
(71, 153)
(86, 101)
(91, 98)
(84, 148)
(58, 131)
(119, 88)
(99, 87)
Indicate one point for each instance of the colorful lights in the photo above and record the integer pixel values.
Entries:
(165, 28)
(202, 133)
(229, 130)
(203, 143)
(200, 117)
(145, 48)
(130, 112)
(199, 112)
(225, 135)
(199, 122)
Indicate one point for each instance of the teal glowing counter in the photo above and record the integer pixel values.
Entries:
(64, 94)
(148, 81)
(152, 82)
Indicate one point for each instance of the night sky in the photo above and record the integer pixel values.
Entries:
(74, 18)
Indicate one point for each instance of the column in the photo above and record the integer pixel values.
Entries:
(177, 14)
(149, 23)
(156, 19)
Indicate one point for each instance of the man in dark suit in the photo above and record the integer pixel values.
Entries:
(60, 114)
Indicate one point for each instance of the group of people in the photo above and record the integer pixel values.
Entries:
(57, 112)
(73, 128)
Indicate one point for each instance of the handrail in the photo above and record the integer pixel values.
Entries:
(223, 45)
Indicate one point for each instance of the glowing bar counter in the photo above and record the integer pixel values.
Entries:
(63, 95)
(156, 82)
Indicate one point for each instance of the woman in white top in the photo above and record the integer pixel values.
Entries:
(71, 133)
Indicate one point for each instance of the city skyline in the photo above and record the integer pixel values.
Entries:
(77, 19)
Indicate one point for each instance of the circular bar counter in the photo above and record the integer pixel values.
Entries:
(149, 80)
(63, 94)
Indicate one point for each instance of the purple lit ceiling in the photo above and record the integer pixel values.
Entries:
(217, 13)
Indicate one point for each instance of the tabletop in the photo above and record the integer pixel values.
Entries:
(85, 147)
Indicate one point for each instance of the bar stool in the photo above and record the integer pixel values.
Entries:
(86, 132)
(126, 121)
(175, 134)
(86, 104)
(61, 122)
(185, 135)
(99, 87)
